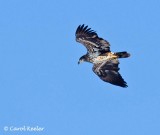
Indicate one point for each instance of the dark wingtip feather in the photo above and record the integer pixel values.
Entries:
(82, 29)
(122, 84)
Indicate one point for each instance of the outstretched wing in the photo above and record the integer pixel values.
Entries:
(89, 38)
(108, 72)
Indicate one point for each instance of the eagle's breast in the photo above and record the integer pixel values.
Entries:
(105, 57)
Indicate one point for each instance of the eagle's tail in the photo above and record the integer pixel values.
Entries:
(122, 54)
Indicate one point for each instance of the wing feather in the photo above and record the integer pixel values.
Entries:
(89, 38)
(108, 72)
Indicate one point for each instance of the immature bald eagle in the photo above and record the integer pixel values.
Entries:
(105, 62)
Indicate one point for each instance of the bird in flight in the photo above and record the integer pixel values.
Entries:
(105, 62)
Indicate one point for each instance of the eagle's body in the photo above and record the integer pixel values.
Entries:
(104, 57)
(98, 52)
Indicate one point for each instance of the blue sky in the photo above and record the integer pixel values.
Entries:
(42, 85)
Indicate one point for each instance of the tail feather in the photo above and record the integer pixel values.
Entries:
(122, 54)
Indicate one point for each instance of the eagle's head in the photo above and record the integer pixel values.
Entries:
(83, 59)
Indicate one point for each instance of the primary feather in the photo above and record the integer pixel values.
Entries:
(89, 38)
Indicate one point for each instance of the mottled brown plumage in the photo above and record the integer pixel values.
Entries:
(105, 62)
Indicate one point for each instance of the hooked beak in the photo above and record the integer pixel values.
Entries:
(80, 61)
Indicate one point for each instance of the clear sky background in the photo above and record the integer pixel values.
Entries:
(42, 85)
